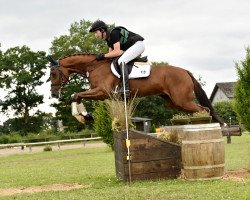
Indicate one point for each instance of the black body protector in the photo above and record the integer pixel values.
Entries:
(126, 39)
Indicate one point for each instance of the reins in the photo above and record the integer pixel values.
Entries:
(89, 68)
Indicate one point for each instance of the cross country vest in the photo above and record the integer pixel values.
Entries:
(128, 38)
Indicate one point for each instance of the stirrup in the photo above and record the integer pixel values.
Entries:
(127, 94)
(119, 90)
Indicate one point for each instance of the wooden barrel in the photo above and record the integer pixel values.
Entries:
(203, 153)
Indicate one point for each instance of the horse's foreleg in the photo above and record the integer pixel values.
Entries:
(94, 94)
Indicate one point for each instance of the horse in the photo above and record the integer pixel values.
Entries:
(174, 84)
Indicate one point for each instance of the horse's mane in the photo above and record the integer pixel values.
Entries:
(77, 54)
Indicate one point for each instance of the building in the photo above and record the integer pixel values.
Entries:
(222, 92)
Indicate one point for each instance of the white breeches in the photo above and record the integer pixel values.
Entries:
(132, 52)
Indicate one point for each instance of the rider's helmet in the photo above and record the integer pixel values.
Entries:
(98, 25)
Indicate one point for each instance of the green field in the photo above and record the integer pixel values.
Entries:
(94, 170)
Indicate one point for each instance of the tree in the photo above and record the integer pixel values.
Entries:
(77, 41)
(153, 107)
(20, 73)
(242, 91)
(37, 123)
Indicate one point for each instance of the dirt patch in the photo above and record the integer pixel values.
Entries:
(239, 175)
(45, 188)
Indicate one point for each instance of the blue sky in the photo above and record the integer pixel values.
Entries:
(204, 37)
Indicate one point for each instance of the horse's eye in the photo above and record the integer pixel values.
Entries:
(53, 75)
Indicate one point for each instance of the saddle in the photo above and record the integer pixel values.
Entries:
(137, 68)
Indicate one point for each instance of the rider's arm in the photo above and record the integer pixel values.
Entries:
(114, 52)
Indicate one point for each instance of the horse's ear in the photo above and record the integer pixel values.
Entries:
(52, 61)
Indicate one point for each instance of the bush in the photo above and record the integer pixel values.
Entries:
(201, 114)
(43, 136)
(224, 109)
(10, 138)
(15, 138)
(180, 116)
(103, 123)
(4, 139)
(47, 148)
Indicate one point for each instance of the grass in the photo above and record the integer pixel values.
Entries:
(116, 109)
(238, 153)
(95, 169)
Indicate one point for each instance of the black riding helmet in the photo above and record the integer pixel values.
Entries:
(98, 25)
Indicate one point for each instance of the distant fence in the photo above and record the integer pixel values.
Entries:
(58, 142)
(231, 131)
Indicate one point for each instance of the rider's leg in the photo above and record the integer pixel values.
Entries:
(131, 53)
(126, 83)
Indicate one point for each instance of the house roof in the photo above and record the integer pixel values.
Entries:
(225, 87)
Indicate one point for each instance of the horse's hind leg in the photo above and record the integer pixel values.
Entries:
(185, 106)
(192, 107)
(184, 101)
(169, 103)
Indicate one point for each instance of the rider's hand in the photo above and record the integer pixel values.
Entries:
(100, 56)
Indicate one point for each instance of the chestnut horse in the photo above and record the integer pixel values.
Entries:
(174, 84)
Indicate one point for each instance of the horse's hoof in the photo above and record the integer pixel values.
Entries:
(89, 117)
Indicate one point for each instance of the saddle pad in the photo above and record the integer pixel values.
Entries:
(139, 70)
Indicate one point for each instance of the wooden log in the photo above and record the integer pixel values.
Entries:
(231, 131)
(226, 131)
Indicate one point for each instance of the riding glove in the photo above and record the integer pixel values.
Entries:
(100, 56)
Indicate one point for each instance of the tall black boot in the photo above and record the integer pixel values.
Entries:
(126, 81)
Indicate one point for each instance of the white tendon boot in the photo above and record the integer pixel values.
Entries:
(81, 109)
(75, 112)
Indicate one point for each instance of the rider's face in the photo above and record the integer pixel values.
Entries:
(99, 35)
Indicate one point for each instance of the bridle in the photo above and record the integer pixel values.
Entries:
(63, 79)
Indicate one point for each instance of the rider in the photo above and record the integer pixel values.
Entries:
(121, 42)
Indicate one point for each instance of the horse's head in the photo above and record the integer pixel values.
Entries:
(82, 64)
(59, 76)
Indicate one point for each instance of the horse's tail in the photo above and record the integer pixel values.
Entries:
(203, 99)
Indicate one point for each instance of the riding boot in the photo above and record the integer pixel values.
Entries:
(126, 81)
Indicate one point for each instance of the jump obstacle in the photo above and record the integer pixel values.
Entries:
(201, 155)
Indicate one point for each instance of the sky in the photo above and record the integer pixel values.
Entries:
(204, 37)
